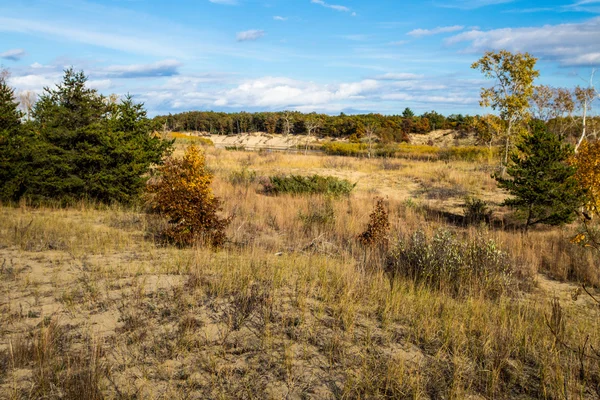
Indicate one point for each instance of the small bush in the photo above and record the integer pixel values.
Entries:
(460, 267)
(319, 214)
(444, 192)
(315, 184)
(388, 164)
(476, 210)
(182, 137)
(182, 195)
(244, 177)
(235, 148)
(345, 149)
(378, 228)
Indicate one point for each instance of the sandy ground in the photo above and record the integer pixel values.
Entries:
(258, 140)
(255, 141)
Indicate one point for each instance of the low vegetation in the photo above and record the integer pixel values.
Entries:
(315, 184)
(419, 152)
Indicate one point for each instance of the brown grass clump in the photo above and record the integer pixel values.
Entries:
(378, 228)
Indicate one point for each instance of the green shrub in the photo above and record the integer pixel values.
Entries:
(235, 148)
(459, 266)
(476, 210)
(244, 177)
(315, 184)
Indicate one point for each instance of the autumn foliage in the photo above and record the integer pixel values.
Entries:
(182, 194)
(378, 227)
(587, 162)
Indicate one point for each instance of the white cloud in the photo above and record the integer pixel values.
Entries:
(435, 31)
(100, 84)
(13, 54)
(274, 92)
(279, 18)
(34, 82)
(401, 76)
(253, 34)
(573, 44)
(332, 6)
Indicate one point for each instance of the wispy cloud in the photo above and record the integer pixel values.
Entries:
(13, 54)
(157, 69)
(573, 44)
(399, 76)
(129, 43)
(226, 2)
(280, 18)
(472, 4)
(588, 6)
(332, 6)
(435, 31)
(356, 37)
(529, 10)
(250, 35)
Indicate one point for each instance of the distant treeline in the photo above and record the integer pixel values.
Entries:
(387, 127)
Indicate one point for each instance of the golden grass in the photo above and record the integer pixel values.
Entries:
(92, 306)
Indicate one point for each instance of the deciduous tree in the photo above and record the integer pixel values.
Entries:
(514, 75)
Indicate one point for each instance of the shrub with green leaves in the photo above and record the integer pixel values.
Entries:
(459, 266)
(243, 177)
(300, 185)
(476, 210)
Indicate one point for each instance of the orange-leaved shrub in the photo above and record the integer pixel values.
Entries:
(181, 193)
(587, 162)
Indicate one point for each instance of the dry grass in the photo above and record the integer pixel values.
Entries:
(294, 307)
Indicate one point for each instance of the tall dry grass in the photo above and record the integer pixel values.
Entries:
(292, 307)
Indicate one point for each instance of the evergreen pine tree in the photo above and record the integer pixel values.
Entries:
(79, 146)
(542, 184)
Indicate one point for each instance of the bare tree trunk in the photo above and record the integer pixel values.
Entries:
(506, 148)
(583, 135)
(588, 97)
(307, 140)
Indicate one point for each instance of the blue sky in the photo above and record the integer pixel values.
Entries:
(309, 55)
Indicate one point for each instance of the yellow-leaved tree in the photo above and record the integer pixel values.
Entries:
(181, 193)
(587, 162)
